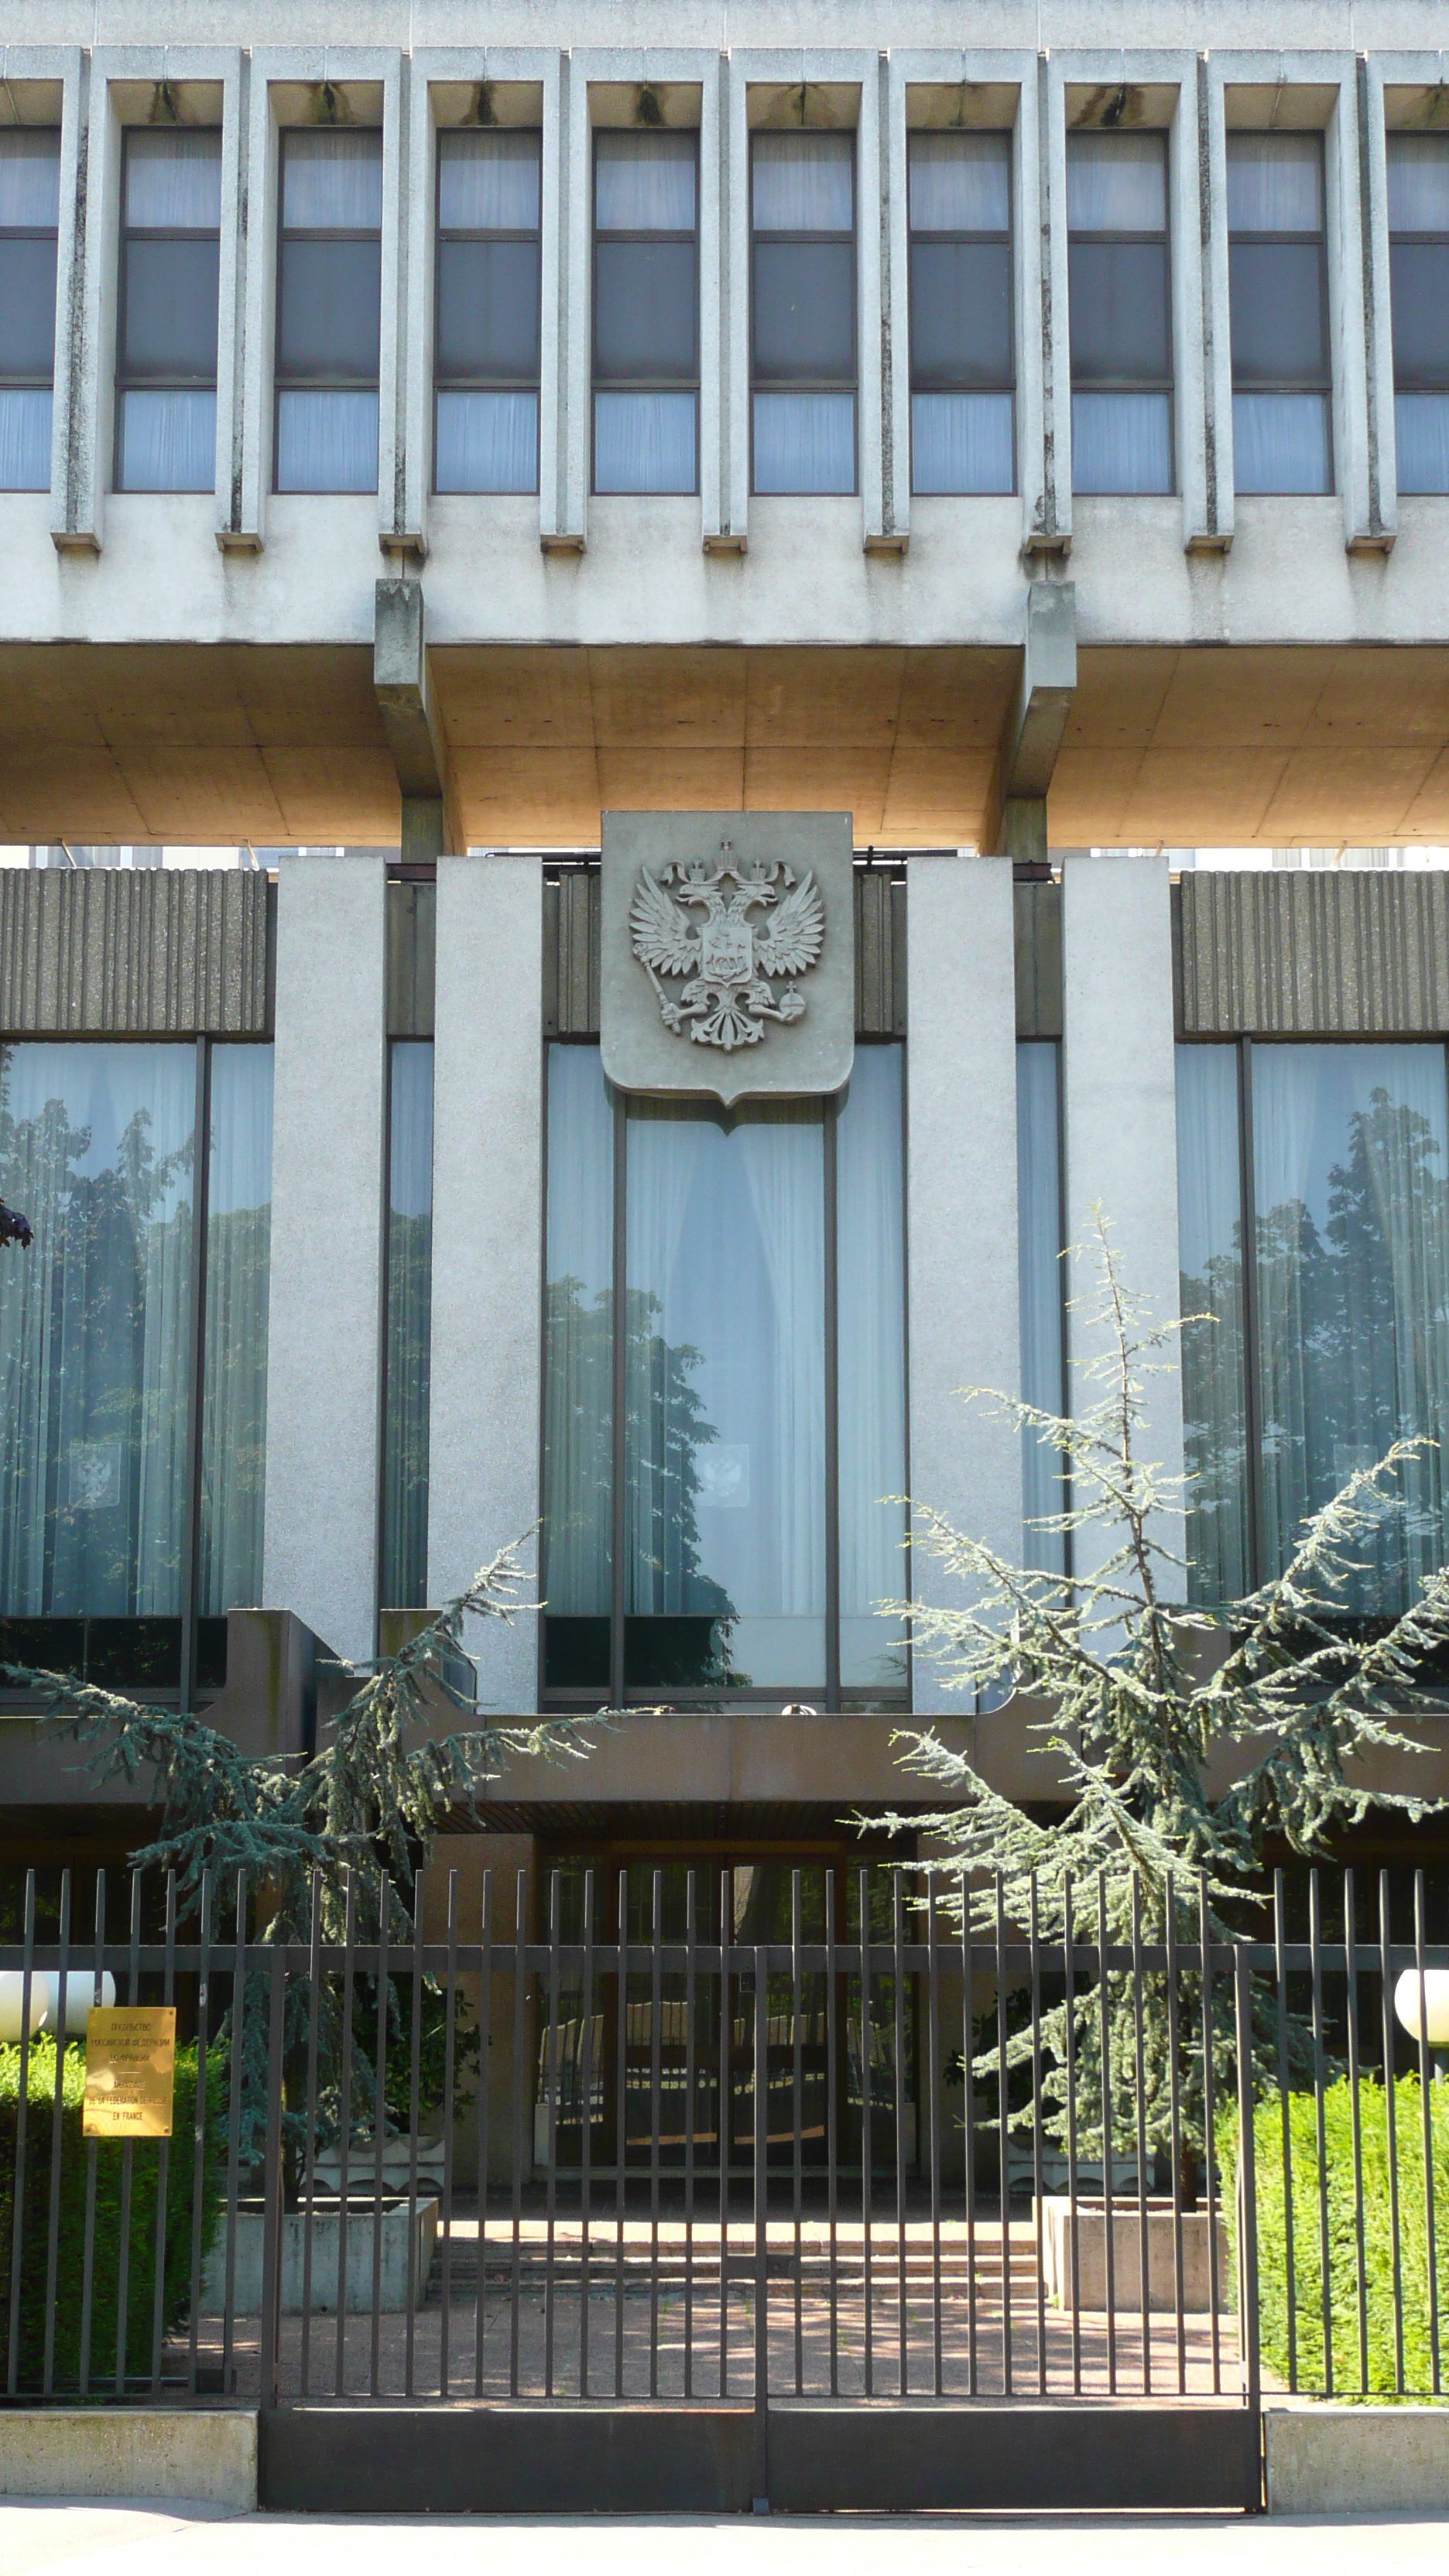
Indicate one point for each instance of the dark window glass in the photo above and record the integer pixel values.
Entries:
(646, 312)
(486, 313)
(169, 296)
(166, 318)
(803, 337)
(960, 313)
(1278, 291)
(29, 212)
(1120, 296)
(329, 272)
(1418, 176)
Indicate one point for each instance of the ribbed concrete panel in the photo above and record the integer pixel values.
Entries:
(102, 952)
(1337, 954)
(880, 954)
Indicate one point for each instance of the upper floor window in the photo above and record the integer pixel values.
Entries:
(646, 312)
(1418, 173)
(329, 301)
(802, 312)
(1120, 296)
(29, 217)
(166, 314)
(1278, 290)
(963, 374)
(486, 318)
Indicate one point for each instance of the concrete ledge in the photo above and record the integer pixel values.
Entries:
(1357, 2459)
(206, 2455)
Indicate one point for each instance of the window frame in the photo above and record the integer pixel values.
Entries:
(20, 384)
(802, 385)
(484, 384)
(1166, 386)
(638, 384)
(125, 381)
(833, 1697)
(286, 383)
(1326, 390)
(1008, 238)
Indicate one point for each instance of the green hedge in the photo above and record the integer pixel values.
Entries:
(1343, 2234)
(145, 2167)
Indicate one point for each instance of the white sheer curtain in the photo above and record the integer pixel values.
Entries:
(332, 179)
(962, 442)
(871, 1376)
(578, 1337)
(96, 1148)
(488, 180)
(960, 183)
(1039, 1290)
(644, 442)
(167, 439)
(25, 413)
(1281, 443)
(1210, 1255)
(326, 441)
(1121, 442)
(662, 1420)
(486, 441)
(781, 1154)
(804, 442)
(1351, 1151)
(173, 179)
(1421, 431)
(234, 1386)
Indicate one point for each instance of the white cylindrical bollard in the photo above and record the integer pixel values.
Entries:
(12, 2002)
(1436, 2005)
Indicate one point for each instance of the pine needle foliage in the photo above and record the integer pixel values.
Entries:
(1135, 1702)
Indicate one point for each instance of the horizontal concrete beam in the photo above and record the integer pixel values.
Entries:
(199, 2455)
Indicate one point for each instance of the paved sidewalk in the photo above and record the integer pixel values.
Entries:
(175, 2540)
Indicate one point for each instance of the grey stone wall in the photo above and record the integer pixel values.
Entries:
(117, 952)
(1334, 954)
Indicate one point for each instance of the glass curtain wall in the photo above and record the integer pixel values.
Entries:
(718, 1571)
(234, 1375)
(409, 1325)
(167, 310)
(1349, 1220)
(963, 365)
(29, 216)
(1418, 182)
(487, 318)
(1040, 1290)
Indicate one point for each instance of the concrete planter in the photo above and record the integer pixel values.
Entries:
(1357, 2459)
(1055, 2240)
(362, 2227)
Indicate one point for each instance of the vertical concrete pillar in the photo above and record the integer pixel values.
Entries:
(325, 1319)
(487, 1245)
(961, 1215)
(1121, 1116)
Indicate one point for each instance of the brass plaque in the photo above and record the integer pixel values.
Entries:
(130, 2070)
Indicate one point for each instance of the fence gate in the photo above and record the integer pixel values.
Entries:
(798, 2201)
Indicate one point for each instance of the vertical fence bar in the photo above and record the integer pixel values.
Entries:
(309, 2144)
(344, 2122)
(586, 2145)
(968, 2118)
(656, 2010)
(88, 2251)
(1355, 2113)
(726, 2121)
(57, 2126)
(1391, 2124)
(1140, 2069)
(1281, 1997)
(690, 2086)
(898, 2051)
(1069, 2028)
(933, 2098)
(485, 2086)
(1209, 2113)
(1003, 2121)
(865, 2092)
(450, 2042)
(414, 2115)
(123, 2284)
(832, 2135)
(1174, 2106)
(1325, 2246)
(551, 2131)
(520, 2006)
(1247, 2180)
(761, 2480)
(1036, 2170)
(233, 2144)
(796, 2097)
(269, 2357)
(621, 2132)
(1109, 2198)
(1426, 2101)
(379, 2122)
(17, 2216)
(163, 2154)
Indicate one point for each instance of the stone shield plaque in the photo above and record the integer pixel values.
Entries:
(728, 953)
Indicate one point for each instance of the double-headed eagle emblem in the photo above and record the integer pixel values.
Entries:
(730, 960)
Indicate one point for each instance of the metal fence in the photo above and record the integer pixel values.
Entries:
(631, 2158)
